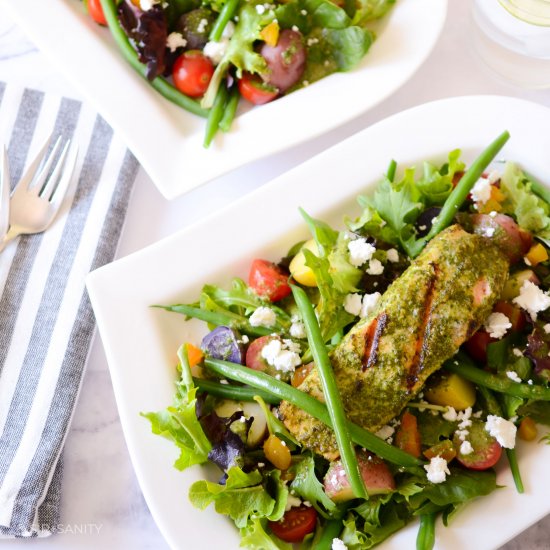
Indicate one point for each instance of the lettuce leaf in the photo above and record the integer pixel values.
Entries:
(531, 212)
(242, 497)
(255, 537)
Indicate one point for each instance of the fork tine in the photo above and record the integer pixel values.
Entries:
(27, 178)
(44, 172)
(53, 178)
(64, 183)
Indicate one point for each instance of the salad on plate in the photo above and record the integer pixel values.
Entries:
(376, 374)
(207, 55)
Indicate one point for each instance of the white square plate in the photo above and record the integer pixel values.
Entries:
(168, 141)
(141, 342)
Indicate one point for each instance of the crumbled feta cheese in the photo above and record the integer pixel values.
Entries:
(297, 329)
(466, 448)
(201, 27)
(175, 40)
(295, 28)
(353, 303)
(216, 50)
(530, 382)
(437, 470)
(422, 227)
(338, 544)
(263, 317)
(489, 231)
(462, 434)
(228, 30)
(392, 255)
(532, 299)
(292, 502)
(502, 430)
(224, 382)
(146, 5)
(493, 214)
(303, 12)
(312, 41)
(527, 261)
(517, 352)
(375, 267)
(450, 414)
(369, 303)
(282, 354)
(546, 328)
(463, 418)
(360, 251)
(497, 325)
(513, 375)
(305, 83)
(385, 432)
(260, 8)
(481, 191)
(494, 176)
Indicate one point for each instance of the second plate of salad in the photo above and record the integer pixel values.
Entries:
(366, 246)
(168, 141)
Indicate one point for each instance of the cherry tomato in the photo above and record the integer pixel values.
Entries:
(407, 437)
(192, 73)
(268, 280)
(96, 12)
(295, 524)
(253, 89)
(476, 346)
(254, 359)
(486, 449)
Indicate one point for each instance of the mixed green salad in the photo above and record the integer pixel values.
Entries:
(205, 55)
(288, 393)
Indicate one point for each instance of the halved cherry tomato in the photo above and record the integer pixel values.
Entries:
(516, 315)
(295, 524)
(476, 346)
(254, 359)
(407, 437)
(301, 373)
(253, 89)
(486, 449)
(96, 12)
(268, 280)
(192, 73)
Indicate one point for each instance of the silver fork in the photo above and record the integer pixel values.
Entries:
(38, 196)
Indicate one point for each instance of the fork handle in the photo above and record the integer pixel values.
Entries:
(8, 237)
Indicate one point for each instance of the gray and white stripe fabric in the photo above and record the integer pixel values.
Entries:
(46, 320)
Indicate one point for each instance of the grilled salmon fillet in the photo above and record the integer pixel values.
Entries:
(442, 298)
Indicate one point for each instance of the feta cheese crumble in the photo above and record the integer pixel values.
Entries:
(146, 5)
(263, 317)
(502, 430)
(392, 255)
(513, 375)
(284, 355)
(466, 448)
(175, 40)
(386, 433)
(355, 304)
(369, 303)
(497, 325)
(338, 544)
(437, 470)
(532, 299)
(360, 251)
(297, 328)
(546, 328)
(375, 267)
(292, 502)
(481, 191)
(216, 50)
(450, 414)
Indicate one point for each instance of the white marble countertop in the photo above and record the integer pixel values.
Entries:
(102, 505)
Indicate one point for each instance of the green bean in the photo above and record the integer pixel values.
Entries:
(218, 318)
(460, 192)
(330, 390)
(425, 539)
(390, 174)
(225, 15)
(514, 468)
(230, 109)
(237, 393)
(310, 405)
(330, 531)
(216, 114)
(160, 84)
(497, 383)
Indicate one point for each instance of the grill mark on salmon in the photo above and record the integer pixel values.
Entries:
(372, 339)
(425, 316)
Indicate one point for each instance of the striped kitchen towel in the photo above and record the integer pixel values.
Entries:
(46, 320)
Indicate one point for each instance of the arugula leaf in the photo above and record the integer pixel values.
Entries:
(242, 496)
(179, 423)
(306, 484)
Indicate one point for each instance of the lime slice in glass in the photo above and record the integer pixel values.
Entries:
(536, 12)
